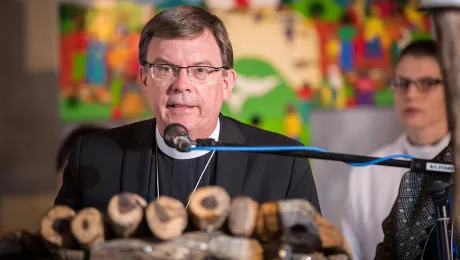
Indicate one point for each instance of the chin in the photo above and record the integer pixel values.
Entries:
(414, 122)
(187, 121)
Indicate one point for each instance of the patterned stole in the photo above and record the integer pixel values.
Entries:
(406, 229)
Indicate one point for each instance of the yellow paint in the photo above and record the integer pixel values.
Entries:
(293, 124)
(266, 40)
(333, 48)
(325, 96)
(132, 104)
(373, 28)
(414, 16)
(341, 99)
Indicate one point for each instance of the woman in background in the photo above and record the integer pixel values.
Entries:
(420, 106)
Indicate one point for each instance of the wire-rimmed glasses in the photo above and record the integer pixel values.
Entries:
(197, 74)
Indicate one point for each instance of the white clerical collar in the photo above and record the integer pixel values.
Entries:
(171, 152)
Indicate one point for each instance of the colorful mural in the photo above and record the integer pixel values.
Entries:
(291, 57)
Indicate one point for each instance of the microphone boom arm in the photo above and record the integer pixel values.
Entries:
(415, 164)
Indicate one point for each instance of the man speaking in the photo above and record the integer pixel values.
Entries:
(186, 73)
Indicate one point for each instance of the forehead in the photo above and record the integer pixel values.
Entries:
(417, 67)
(186, 50)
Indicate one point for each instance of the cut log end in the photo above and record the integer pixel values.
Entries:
(209, 207)
(88, 227)
(243, 216)
(235, 248)
(299, 222)
(166, 218)
(268, 222)
(126, 212)
(55, 226)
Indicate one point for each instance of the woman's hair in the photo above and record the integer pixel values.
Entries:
(419, 48)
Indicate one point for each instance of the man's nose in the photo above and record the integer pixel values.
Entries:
(182, 82)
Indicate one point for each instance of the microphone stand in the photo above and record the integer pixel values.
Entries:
(439, 175)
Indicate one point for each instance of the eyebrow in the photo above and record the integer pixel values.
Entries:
(161, 60)
(203, 63)
(197, 63)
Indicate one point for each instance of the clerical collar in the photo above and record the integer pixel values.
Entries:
(171, 152)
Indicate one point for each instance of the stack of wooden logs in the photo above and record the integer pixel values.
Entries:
(214, 226)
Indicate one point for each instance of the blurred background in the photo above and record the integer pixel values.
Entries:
(315, 70)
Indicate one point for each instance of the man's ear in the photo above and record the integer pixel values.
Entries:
(143, 73)
(229, 83)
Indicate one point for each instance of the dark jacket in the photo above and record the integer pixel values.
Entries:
(121, 159)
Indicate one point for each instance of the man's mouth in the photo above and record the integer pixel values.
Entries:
(178, 106)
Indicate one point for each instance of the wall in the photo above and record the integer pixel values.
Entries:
(29, 123)
(357, 131)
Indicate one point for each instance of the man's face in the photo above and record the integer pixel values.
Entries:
(180, 100)
(416, 108)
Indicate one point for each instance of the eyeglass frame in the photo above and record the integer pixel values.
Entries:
(151, 66)
(418, 85)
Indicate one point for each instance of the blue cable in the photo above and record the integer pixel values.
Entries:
(292, 148)
(454, 244)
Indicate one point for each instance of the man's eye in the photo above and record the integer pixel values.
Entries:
(163, 68)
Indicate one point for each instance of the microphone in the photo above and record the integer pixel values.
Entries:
(176, 136)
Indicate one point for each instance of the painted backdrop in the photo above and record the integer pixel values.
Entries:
(291, 57)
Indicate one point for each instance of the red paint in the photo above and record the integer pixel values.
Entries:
(242, 3)
(115, 113)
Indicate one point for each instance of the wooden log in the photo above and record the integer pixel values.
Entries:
(89, 227)
(55, 227)
(291, 222)
(126, 213)
(297, 223)
(209, 207)
(243, 216)
(190, 246)
(332, 238)
(268, 222)
(235, 248)
(166, 217)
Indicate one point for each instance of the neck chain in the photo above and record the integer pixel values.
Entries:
(197, 183)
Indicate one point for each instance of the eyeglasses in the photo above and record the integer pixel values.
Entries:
(197, 74)
(423, 85)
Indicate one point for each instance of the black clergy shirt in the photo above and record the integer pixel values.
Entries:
(178, 177)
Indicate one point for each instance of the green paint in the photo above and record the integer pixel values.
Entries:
(94, 112)
(331, 11)
(271, 106)
(349, 91)
(116, 87)
(78, 66)
(66, 26)
(347, 32)
(383, 98)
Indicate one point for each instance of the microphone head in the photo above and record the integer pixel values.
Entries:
(176, 136)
